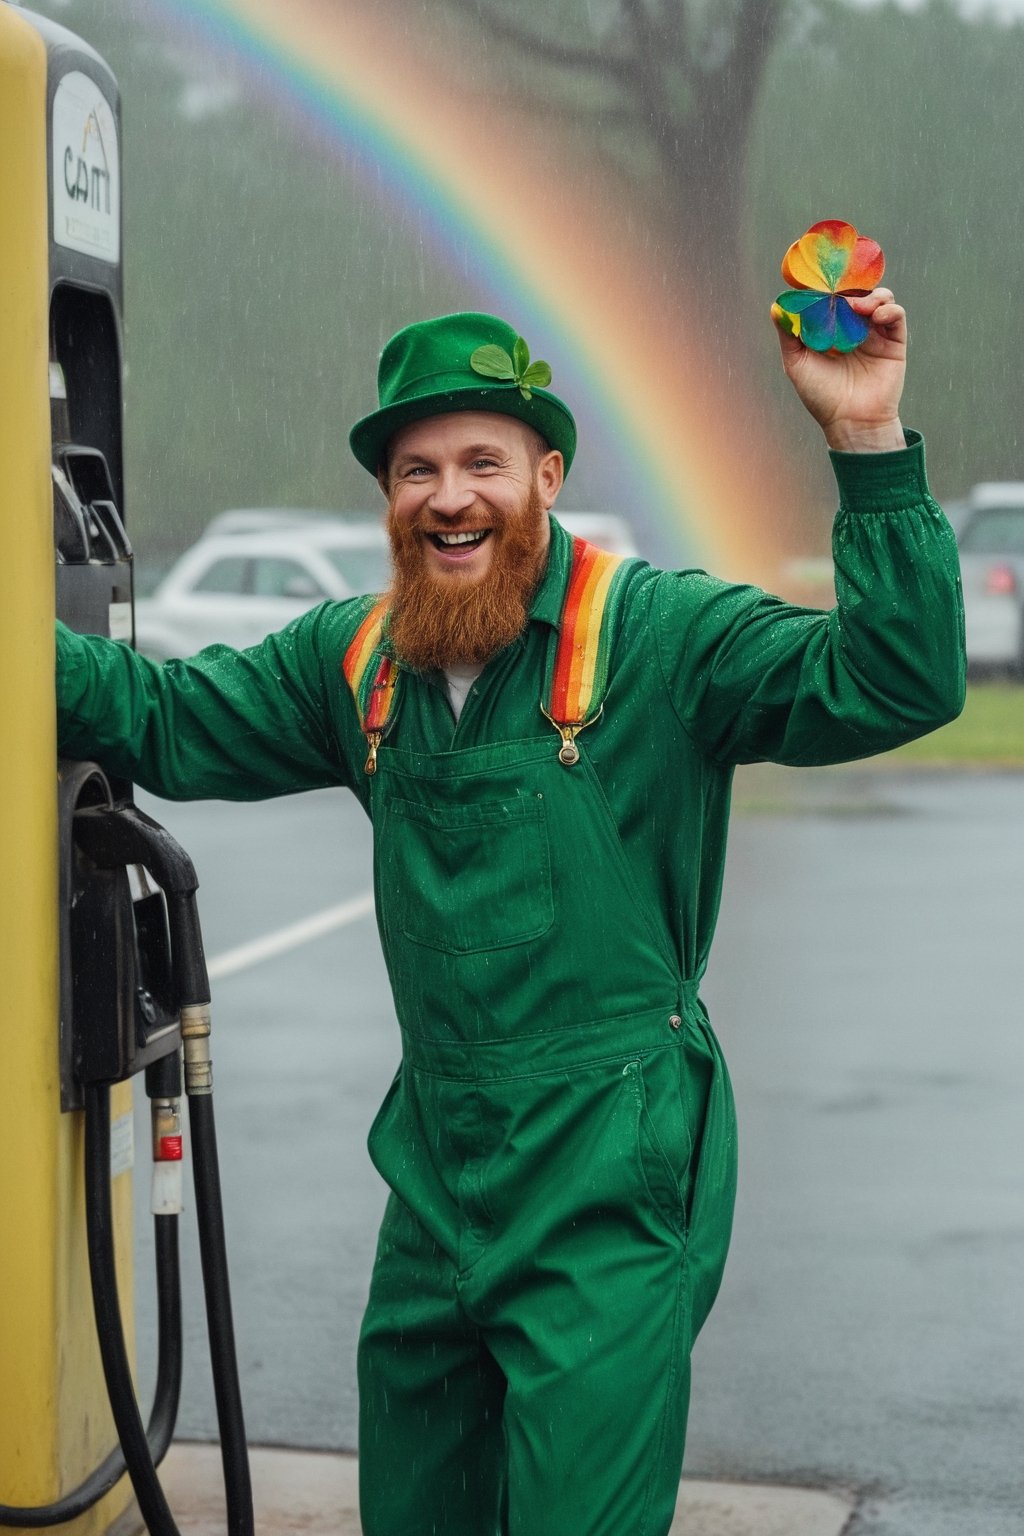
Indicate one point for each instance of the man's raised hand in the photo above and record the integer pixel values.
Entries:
(854, 396)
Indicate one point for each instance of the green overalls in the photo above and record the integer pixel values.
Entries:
(559, 1139)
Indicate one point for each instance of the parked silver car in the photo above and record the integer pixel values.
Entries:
(990, 533)
(252, 572)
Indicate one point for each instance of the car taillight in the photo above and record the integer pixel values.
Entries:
(1000, 579)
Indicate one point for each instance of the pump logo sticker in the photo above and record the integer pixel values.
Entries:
(86, 173)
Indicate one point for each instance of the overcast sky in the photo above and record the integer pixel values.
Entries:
(1004, 10)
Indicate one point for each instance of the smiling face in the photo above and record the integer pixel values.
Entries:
(468, 496)
(460, 481)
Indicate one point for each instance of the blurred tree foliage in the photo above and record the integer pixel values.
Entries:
(909, 124)
(664, 89)
(741, 122)
(264, 268)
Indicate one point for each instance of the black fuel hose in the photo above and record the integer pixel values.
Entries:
(223, 1357)
(109, 1327)
(140, 1451)
(170, 1354)
(213, 1251)
(166, 1395)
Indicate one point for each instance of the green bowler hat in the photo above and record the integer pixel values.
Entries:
(462, 362)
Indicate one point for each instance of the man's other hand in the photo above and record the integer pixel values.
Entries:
(854, 396)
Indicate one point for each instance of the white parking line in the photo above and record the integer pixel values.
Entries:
(246, 955)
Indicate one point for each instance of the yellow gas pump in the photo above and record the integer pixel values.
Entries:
(60, 294)
(101, 953)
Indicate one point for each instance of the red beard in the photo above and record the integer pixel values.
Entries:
(440, 620)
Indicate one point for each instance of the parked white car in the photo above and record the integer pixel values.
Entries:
(255, 569)
(601, 528)
(252, 572)
(990, 533)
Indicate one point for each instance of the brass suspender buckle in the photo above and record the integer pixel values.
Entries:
(569, 752)
(373, 741)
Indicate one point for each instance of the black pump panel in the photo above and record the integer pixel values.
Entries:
(94, 576)
(119, 1009)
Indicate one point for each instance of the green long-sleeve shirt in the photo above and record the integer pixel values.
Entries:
(704, 675)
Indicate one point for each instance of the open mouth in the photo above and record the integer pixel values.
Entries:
(462, 542)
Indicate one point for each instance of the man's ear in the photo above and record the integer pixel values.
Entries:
(384, 481)
(550, 474)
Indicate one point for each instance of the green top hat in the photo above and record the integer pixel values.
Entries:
(460, 363)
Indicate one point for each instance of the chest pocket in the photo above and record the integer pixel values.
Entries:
(466, 878)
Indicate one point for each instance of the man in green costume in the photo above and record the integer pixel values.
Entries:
(559, 1139)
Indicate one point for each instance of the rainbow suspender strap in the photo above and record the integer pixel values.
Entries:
(590, 613)
(371, 675)
(579, 676)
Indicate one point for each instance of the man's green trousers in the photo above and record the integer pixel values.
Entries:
(563, 1177)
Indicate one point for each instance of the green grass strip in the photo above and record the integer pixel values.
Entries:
(990, 732)
(988, 735)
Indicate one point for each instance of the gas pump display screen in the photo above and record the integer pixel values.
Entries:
(86, 174)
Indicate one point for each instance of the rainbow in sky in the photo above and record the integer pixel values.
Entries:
(551, 246)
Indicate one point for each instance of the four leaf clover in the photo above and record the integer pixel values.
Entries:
(830, 260)
(494, 363)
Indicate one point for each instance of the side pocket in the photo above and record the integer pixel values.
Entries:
(664, 1141)
(377, 1130)
(714, 1177)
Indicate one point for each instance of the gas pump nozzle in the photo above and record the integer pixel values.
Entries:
(115, 836)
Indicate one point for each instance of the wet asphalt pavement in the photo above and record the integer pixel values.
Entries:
(864, 984)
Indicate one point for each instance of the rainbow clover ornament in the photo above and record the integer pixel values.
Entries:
(830, 260)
